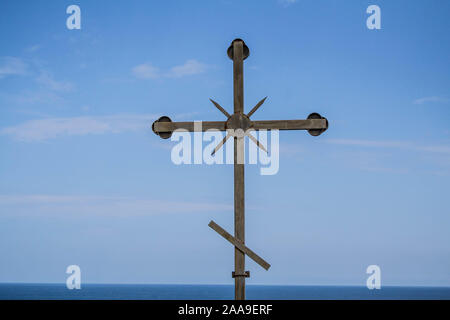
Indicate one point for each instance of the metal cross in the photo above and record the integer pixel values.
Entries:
(239, 125)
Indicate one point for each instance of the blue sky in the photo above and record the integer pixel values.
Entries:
(84, 181)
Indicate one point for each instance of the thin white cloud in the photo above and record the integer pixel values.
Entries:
(43, 129)
(100, 205)
(33, 48)
(368, 143)
(30, 97)
(49, 89)
(443, 149)
(435, 149)
(287, 3)
(148, 71)
(12, 66)
(47, 80)
(430, 99)
(190, 67)
(145, 71)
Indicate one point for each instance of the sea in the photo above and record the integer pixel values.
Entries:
(28, 291)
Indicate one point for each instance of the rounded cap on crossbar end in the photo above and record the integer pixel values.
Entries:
(230, 49)
(164, 135)
(317, 132)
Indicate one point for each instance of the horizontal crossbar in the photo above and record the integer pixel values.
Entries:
(307, 124)
(189, 126)
(238, 244)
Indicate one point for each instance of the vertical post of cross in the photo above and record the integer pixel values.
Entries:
(239, 200)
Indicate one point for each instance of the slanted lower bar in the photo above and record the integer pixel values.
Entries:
(239, 245)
